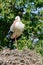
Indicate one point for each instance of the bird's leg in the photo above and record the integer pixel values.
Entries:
(15, 39)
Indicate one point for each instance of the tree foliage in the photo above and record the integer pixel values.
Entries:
(31, 13)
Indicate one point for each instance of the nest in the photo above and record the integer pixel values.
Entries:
(19, 57)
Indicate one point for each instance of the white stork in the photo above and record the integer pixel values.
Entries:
(16, 29)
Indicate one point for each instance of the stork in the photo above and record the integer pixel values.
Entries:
(16, 29)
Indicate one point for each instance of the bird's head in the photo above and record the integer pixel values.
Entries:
(17, 18)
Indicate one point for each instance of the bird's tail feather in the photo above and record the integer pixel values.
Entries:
(9, 34)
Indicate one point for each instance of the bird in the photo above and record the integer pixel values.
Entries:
(16, 29)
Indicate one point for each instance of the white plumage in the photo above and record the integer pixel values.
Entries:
(17, 28)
